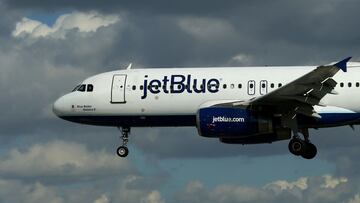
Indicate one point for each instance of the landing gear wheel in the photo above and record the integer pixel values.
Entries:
(301, 147)
(297, 146)
(122, 151)
(310, 151)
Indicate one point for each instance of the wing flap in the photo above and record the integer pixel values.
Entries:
(324, 88)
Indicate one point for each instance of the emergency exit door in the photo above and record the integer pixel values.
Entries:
(263, 87)
(118, 89)
(251, 87)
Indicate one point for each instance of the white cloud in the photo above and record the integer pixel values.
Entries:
(305, 189)
(126, 192)
(331, 182)
(153, 197)
(301, 183)
(206, 28)
(27, 25)
(83, 22)
(59, 159)
(241, 59)
(102, 199)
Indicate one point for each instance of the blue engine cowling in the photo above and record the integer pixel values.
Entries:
(280, 134)
(238, 125)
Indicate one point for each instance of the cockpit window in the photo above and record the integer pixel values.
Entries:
(77, 86)
(90, 88)
(81, 88)
(84, 87)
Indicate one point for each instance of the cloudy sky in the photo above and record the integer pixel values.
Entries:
(47, 47)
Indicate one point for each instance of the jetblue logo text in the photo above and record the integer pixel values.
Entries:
(176, 84)
(223, 119)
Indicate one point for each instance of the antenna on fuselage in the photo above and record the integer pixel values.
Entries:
(129, 66)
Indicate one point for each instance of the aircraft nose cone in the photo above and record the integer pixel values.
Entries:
(59, 107)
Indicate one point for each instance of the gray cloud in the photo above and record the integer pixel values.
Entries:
(59, 161)
(113, 6)
(186, 143)
(306, 189)
(58, 64)
(15, 191)
(36, 192)
(34, 72)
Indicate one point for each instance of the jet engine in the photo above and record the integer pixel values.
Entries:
(239, 126)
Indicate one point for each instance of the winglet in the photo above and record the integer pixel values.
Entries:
(342, 64)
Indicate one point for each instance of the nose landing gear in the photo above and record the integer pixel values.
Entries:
(123, 151)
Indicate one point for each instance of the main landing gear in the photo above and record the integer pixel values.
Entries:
(123, 151)
(303, 148)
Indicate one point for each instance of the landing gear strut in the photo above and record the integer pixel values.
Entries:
(123, 151)
(303, 148)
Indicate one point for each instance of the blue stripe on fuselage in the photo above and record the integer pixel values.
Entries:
(326, 120)
(329, 119)
(135, 121)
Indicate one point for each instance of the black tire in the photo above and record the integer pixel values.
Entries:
(122, 151)
(310, 151)
(297, 146)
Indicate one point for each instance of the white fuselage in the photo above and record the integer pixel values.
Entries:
(126, 92)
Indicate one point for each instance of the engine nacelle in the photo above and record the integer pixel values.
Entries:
(231, 122)
(239, 126)
(280, 134)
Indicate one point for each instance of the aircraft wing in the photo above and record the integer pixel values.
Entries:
(300, 95)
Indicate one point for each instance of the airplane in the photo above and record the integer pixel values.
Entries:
(237, 105)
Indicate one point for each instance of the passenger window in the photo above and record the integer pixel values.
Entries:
(224, 86)
(251, 85)
(82, 88)
(279, 85)
(134, 87)
(141, 87)
(232, 86)
(239, 86)
(349, 84)
(90, 88)
(272, 85)
(357, 84)
(341, 84)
